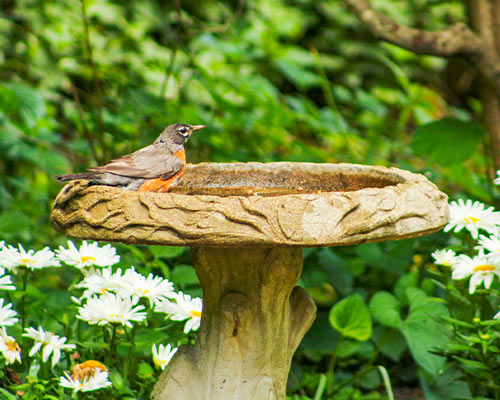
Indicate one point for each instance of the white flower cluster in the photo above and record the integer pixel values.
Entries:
(109, 297)
(88, 255)
(482, 267)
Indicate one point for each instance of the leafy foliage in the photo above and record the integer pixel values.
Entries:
(83, 81)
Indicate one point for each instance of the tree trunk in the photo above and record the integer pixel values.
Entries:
(253, 320)
(485, 17)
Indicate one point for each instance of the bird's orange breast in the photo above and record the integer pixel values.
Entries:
(164, 185)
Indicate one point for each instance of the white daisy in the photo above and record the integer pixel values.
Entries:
(153, 287)
(97, 380)
(88, 255)
(9, 347)
(444, 257)
(5, 281)
(12, 258)
(492, 244)
(183, 308)
(7, 316)
(472, 216)
(480, 268)
(111, 308)
(52, 344)
(496, 181)
(101, 281)
(163, 355)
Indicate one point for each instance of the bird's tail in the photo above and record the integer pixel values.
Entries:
(72, 177)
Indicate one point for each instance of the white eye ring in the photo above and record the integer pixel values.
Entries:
(183, 131)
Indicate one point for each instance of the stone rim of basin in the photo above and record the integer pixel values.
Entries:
(363, 204)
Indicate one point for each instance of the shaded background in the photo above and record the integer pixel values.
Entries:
(82, 82)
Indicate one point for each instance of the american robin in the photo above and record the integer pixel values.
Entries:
(154, 168)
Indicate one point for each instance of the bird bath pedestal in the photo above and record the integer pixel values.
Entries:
(246, 225)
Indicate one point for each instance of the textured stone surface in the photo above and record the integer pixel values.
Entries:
(253, 320)
(273, 204)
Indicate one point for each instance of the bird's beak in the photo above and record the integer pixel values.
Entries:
(196, 127)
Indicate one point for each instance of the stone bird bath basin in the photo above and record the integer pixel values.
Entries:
(246, 224)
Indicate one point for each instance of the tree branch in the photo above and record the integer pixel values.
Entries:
(457, 40)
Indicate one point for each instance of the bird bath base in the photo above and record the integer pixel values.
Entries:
(246, 225)
(253, 320)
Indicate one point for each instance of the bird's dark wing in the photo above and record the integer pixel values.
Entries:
(148, 162)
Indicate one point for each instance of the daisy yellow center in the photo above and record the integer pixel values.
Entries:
(87, 258)
(93, 364)
(484, 268)
(25, 260)
(471, 220)
(446, 264)
(13, 346)
(195, 313)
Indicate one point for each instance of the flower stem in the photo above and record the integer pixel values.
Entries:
(23, 299)
(331, 366)
(22, 307)
(112, 346)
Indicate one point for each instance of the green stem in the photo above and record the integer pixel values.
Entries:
(23, 299)
(321, 387)
(112, 345)
(22, 306)
(331, 366)
(353, 378)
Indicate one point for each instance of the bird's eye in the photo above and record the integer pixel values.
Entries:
(183, 129)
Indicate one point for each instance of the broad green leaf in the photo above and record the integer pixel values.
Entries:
(319, 341)
(184, 275)
(166, 251)
(385, 309)
(407, 280)
(447, 385)
(422, 339)
(424, 329)
(390, 341)
(448, 140)
(337, 271)
(351, 318)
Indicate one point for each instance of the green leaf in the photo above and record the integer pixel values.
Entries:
(184, 275)
(390, 341)
(145, 371)
(385, 309)
(338, 272)
(445, 386)
(421, 340)
(351, 318)
(299, 76)
(24, 102)
(425, 330)
(447, 141)
(166, 251)
(4, 395)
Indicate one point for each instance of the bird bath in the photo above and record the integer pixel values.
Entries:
(246, 224)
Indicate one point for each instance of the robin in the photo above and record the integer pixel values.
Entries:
(154, 168)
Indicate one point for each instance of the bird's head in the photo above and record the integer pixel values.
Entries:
(177, 134)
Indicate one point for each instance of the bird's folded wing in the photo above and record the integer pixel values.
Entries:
(148, 162)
